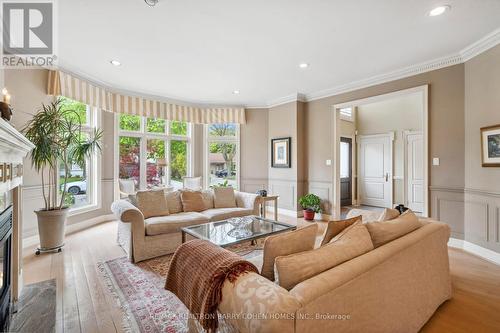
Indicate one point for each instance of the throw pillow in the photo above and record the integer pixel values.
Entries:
(152, 203)
(224, 197)
(300, 240)
(335, 227)
(386, 231)
(389, 214)
(174, 202)
(208, 198)
(192, 201)
(295, 268)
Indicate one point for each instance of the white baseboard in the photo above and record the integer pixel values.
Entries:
(286, 212)
(35, 240)
(477, 250)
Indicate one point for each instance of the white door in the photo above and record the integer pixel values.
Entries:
(415, 171)
(375, 170)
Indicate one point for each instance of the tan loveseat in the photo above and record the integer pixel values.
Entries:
(148, 238)
(393, 288)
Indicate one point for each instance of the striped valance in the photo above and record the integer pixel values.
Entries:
(64, 84)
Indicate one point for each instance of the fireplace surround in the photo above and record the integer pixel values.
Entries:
(6, 217)
(14, 148)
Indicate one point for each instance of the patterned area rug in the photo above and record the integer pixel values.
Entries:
(139, 291)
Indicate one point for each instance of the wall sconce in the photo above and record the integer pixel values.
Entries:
(5, 109)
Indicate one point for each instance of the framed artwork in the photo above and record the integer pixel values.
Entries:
(490, 146)
(281, 150)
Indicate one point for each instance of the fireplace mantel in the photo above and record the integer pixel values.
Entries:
(14, 147)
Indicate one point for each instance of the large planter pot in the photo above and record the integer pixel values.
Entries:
(51, 228)
(309, 215)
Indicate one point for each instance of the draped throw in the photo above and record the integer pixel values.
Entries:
(67, 85)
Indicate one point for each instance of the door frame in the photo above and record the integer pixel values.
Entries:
(391, 137)
(354, 160)
(424, 92)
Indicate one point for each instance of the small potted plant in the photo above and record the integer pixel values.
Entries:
(311, 204)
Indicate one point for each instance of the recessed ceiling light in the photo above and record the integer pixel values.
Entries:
(439, 10)
(115, 63)
(304, 65)
(236, 92)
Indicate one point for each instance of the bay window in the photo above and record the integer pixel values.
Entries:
(153, 152)
(82, 181)
(222, 155)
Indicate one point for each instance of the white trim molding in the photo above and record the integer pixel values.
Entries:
(484, 44)
(477, 250)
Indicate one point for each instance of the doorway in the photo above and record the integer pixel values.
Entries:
(346, 181)
(390, 140)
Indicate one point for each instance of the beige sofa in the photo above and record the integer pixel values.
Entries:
(393, 288)
(148, 238)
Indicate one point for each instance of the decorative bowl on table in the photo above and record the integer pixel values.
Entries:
(240, 225)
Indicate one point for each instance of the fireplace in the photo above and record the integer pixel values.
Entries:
(5, 264)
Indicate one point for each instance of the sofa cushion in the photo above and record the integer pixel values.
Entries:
(224, 197)
(389, 214)
(192, 201)
(172, 223)
(335, 227)
(350, 243)
(174, 202)
(386, 231)
(152, 203)
(302, 239)
(218, 214)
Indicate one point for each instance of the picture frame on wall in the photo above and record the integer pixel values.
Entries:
(490, 146)
(281, 150)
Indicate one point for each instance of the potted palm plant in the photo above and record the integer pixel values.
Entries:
(311, 204)
(59, 142)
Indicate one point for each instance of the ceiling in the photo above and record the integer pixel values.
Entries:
(201, 51)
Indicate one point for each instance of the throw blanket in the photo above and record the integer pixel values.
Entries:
(196, 274)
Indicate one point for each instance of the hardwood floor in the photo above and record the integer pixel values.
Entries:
(83, 304)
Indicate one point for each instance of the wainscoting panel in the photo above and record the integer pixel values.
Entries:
(253, 185)
(287, 191)
(482, 218)
(447, 205)
(324, 190)
(32, 199)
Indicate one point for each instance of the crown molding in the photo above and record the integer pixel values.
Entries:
(287, 99)
(482, 45)
(487, 42)
(391, 76)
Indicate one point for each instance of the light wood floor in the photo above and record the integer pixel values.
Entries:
(84, 306)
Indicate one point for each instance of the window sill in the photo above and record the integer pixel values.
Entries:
(83, 210)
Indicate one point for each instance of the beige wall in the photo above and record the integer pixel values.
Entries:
(288, 120)
(446, 133)
(482, 185)
(254, 161)
(28, 90)
(395, 115)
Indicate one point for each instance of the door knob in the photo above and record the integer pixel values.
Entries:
(386, 176)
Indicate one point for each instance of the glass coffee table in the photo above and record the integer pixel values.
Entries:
(223, 234)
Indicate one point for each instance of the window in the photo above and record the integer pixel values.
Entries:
(222, 155)
(346, 114)
(81, 182)
(153, 152)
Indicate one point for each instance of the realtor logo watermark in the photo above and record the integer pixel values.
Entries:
(28, 34)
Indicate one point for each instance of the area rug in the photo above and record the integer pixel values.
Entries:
(138, 290)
